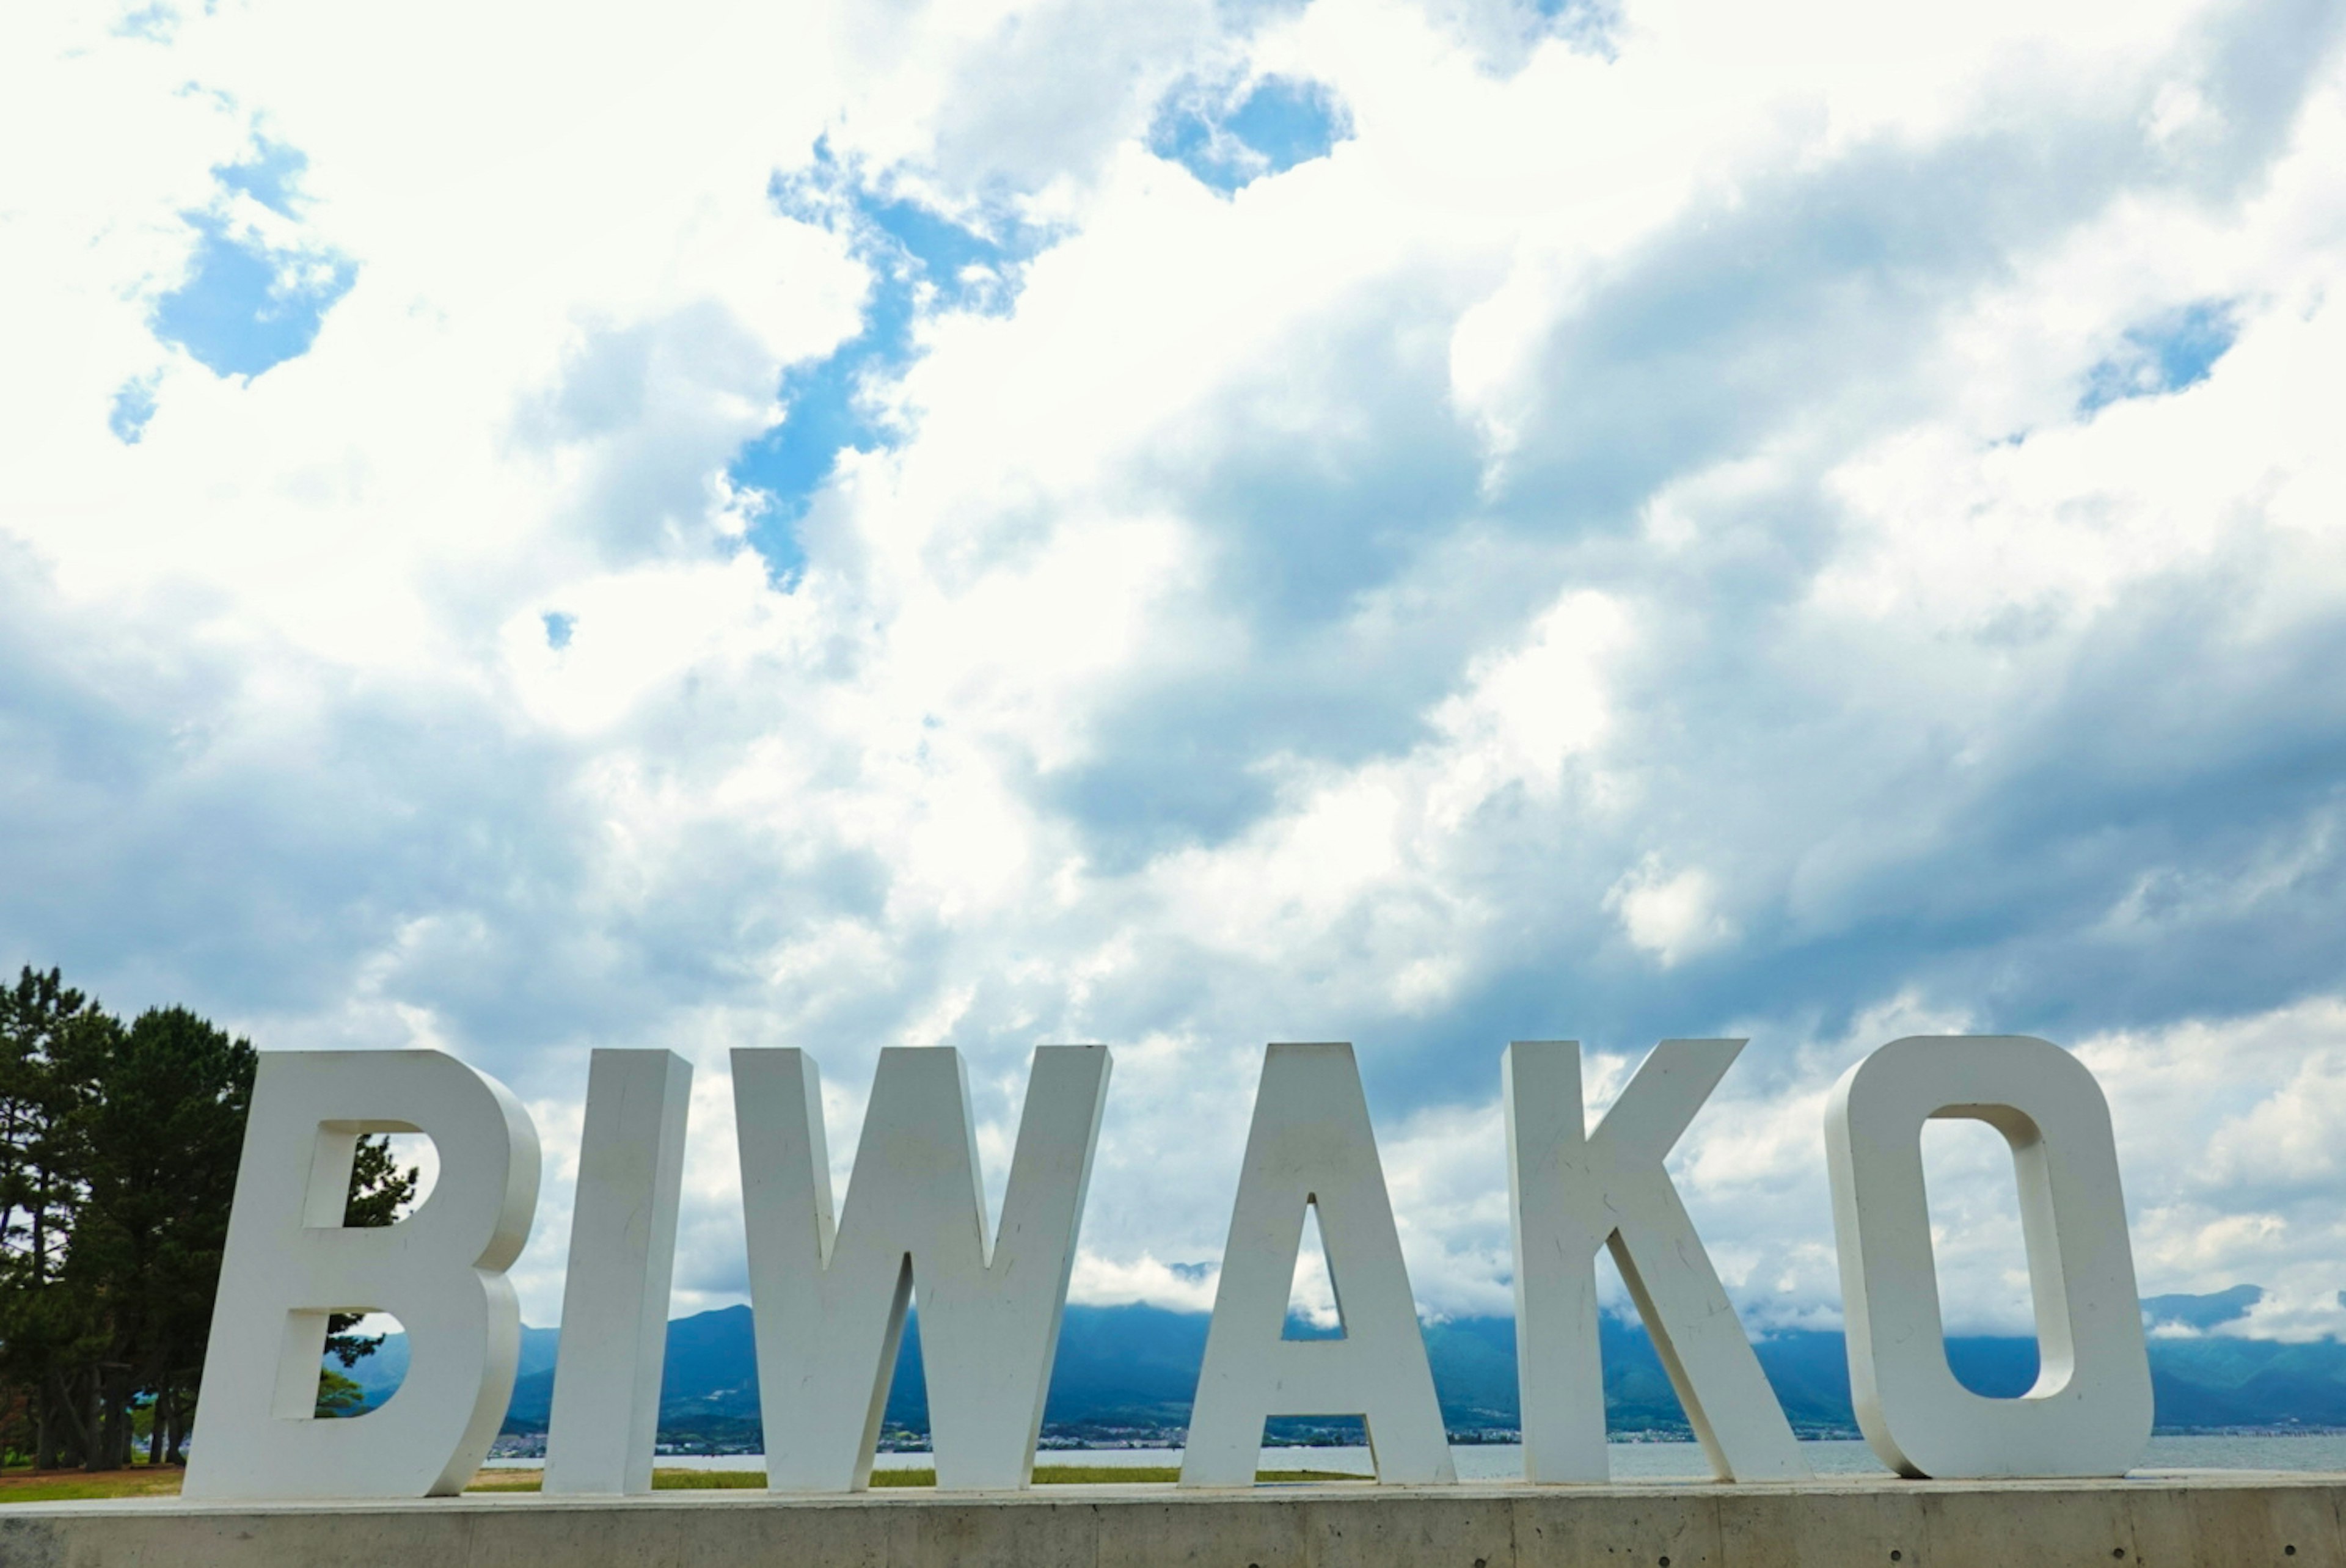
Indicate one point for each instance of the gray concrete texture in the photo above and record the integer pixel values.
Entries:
(2174, 1521)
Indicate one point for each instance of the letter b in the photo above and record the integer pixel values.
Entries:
(441, 1271)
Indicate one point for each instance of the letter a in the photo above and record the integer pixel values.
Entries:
(1311, 1146)
(440, 1271)
(830, 1300)
(1572, 1191)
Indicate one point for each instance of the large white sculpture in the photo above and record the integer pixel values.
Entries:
(1574, 1191)
(290, 1262)
(830, 1300)
(2090, 1411)
(1311, 1146)
(606, 1376)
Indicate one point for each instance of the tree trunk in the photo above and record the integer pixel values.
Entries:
(174, 1450)
(94, 1452)
(48, 1395)
(72, 1434)
(116, 1398)
(45, 1428)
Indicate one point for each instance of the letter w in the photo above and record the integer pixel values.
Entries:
(830, 1299)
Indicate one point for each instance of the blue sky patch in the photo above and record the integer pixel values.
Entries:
(249, 303)
(1230, 140)
(2166, 354)
(1584, 24)
(246, 307)
(922, 262)
(558, 628)
(152, 22)
(133, 405)
(270, 175)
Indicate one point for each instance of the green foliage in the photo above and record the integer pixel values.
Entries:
(380, 1193)
(119, 1153)
(53, 1335)
(338, 1395)
(164, 1122)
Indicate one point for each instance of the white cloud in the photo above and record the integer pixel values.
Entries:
(1672, 915)
(1101, 1283)
(1640, 539)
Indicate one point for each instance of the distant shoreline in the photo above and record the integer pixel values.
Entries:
(515, 1446)
(1642, 1458)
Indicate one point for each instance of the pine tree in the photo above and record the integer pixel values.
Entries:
(50, 1340)
(162, 1133)
(118, 1155)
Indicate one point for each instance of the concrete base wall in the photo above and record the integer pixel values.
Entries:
(2180, 1521)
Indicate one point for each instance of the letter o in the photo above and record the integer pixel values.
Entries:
(2090, 1411)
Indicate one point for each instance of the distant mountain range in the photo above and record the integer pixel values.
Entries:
(1127, 1373)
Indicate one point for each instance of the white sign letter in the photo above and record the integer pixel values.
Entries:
(830, 1302)
(1311, 1148)
(2090, 1412)
(441, 1271)
(607, 1375)
(1571, 1192)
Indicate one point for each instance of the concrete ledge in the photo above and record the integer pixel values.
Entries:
(2175, 1520)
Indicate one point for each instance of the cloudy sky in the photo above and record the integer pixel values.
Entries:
(1421, 521)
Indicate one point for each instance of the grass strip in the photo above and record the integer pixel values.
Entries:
(1044, 1475)
(69, 1486)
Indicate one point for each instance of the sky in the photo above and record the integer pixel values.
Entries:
(1417, 522)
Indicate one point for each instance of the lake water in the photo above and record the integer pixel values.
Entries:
(1631, 1460)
